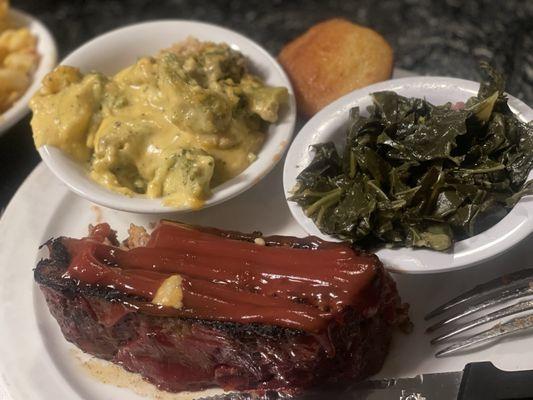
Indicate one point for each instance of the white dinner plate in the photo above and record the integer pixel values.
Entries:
(330, 124)
(37, 363)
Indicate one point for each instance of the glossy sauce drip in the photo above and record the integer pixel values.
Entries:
(231, 280)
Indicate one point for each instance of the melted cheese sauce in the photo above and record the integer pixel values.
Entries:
(171, 126)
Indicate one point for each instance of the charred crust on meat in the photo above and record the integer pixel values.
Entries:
(49, 273)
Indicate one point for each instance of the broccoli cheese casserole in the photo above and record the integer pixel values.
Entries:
(171, 126)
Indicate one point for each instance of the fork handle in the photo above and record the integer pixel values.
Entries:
(483, 381)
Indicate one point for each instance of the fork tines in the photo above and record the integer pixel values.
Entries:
(516, 285)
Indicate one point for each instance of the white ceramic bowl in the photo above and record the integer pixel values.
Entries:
(47, 49)
(117, 49)
(330, 125)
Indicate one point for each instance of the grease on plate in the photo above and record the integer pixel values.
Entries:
(97, 213)
(111, 374)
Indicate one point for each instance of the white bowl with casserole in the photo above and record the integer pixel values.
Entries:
(113, 52)
(331, 124)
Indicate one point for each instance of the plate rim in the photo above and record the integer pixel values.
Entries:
(15, 211)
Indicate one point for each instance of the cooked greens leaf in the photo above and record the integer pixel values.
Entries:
(494, 82)
(419, 175)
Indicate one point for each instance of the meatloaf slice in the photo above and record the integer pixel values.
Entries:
(176, 350)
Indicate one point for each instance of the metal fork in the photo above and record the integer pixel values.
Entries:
(514, 286)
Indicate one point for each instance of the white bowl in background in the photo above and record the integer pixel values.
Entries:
(330, 124)
(46, 47)
(111, 52)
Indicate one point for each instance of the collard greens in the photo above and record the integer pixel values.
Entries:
(419, 175)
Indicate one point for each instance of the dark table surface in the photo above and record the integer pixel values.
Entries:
(429, 37)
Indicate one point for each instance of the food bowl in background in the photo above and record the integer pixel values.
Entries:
(47, 49)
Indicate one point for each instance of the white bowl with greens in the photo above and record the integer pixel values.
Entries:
(415, 219)
(112, 52)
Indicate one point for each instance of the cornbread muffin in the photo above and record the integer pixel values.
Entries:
(333, 58)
